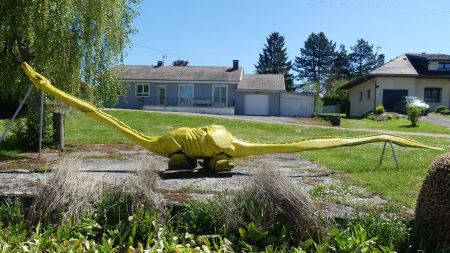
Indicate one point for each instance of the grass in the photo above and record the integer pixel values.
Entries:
(401, 124)
(357, 165)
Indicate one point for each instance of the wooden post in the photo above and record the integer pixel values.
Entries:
(41, 122)
(58, 129)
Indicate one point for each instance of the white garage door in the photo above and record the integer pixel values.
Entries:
(296, 105)
(256, 104)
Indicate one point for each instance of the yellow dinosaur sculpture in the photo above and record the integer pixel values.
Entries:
(214, 144)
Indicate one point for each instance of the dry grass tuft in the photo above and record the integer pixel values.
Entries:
(144, 187)
(272, 199)
(66, 193)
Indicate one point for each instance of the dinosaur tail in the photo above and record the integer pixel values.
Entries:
(247, 149)
(87, 108)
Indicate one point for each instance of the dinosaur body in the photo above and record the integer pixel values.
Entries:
(214, 144)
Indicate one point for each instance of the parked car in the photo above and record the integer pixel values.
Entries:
(401, 105)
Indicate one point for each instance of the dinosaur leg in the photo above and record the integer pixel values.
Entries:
(219, 163)
(182, 162)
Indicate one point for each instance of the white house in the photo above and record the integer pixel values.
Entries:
(426, 76)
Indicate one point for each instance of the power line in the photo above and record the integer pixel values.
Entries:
(177, 55)
(379, 6)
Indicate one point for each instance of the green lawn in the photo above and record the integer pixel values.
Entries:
(358, 165)
(394, 125)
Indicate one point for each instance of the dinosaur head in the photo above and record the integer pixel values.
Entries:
(39, 80)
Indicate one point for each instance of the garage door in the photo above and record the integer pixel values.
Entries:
(390, 97)
(296, 105)
(256, 104)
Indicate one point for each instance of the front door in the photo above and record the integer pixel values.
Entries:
(161, 95)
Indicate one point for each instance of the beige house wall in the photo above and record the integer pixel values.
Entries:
(444, 84)
(360, 107)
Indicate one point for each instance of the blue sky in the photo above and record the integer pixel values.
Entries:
(214, 32)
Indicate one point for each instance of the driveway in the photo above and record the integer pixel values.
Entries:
(437, 119)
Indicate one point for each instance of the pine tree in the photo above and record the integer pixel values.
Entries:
(362, 58)
(341, 64)
(315, 62)
(274, 60)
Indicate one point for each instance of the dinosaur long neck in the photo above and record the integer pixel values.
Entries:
(248, 149)
(89, 109)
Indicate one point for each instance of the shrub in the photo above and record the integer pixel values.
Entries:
(445, 112)
(433, 205)
(440, 108)
(371, 116)
(414, 114)
(390, 116)
(379, 110)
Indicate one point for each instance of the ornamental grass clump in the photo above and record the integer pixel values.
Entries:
(274, 202)
(433, 203)
(66, 193)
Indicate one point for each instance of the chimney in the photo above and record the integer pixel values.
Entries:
(380, 60)
(235, 64)
(160, 64)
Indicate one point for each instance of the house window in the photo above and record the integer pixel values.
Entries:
(219, 95)
(142, 90)
(361, 96)
(444, 65)
(432, 94)
(368, 94)
(186, 94)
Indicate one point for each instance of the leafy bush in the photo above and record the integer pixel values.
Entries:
(370, 115)
(440, 108)
(390, 116)
(445, 112)
(25, 131)
(414, 114)
(379, 110)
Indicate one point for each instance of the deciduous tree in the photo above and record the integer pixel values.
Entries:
(68, 41)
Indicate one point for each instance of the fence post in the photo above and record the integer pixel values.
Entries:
(58, 129)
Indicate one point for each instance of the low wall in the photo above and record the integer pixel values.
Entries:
(194, 109)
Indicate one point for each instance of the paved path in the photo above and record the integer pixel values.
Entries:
(295, 122)
(437, 119)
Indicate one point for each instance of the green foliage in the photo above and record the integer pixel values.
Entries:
(63, 40)
(315, 60)
(341, 65)
(445, 112)
(274, 60)
(335, 93)
(202, 217)
(440, 108)
(11, 213)
(25, 131)
(113, 207)
(388, 231)
(414, 114)
(363, 59)
(379, 110)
